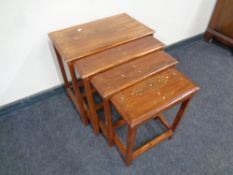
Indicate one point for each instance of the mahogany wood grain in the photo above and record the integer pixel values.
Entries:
(125, 75)
(107, 59)
(143, 100)
(86, 39)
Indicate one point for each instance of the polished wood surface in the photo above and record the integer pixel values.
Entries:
(119, 58)
(107, 59)
(152, 95)
(221, 23)
(86, 39)
(125, 75)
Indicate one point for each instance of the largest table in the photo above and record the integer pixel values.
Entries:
(94, 47)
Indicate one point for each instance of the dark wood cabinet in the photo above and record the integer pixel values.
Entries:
(221, 23)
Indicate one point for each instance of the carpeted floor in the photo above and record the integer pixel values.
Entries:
(48, 138)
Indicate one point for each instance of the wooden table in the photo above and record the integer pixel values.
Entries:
(148, 100)
(118, 59)
(97, 46)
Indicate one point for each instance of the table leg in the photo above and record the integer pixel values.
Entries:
(91, 106)
(78, 96)
(62, 68)
(132, 132)
(108, 121)
(179, 115)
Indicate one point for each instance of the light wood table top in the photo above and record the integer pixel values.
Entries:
(118, 78)
(107, 59)
(146, 99)
(79, 41)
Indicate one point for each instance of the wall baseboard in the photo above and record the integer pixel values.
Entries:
(30, 100)
(185, 42)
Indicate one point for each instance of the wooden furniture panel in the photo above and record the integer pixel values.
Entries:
(221, 23)
(225, 24)
(152, 95)
(125, 75)
(86, 39)
(117, 55)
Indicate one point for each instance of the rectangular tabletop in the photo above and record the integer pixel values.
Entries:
(146, 99)
(86, 39)
(111, 81)
(101, 61)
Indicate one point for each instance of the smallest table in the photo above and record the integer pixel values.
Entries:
(147, 100)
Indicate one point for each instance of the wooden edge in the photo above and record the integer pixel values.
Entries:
(72, 58)
(221, 37)
(89, 22)
(159, 48)
(149, 115)
(152, 143)
(56, 46)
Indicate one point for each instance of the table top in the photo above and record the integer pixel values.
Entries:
(82, 40)
(151, 96)
(120, 77)
(102, 61)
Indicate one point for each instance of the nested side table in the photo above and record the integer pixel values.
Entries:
(123, 76)
(159, 93)
(85, 41)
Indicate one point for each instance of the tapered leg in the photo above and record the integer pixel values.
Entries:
(108, 121)
(132, 132)
(180, 115)
(78, 96)
(91, 103)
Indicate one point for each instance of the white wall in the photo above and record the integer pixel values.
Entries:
(27, 65)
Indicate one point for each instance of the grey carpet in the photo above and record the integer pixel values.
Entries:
(48, 138)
